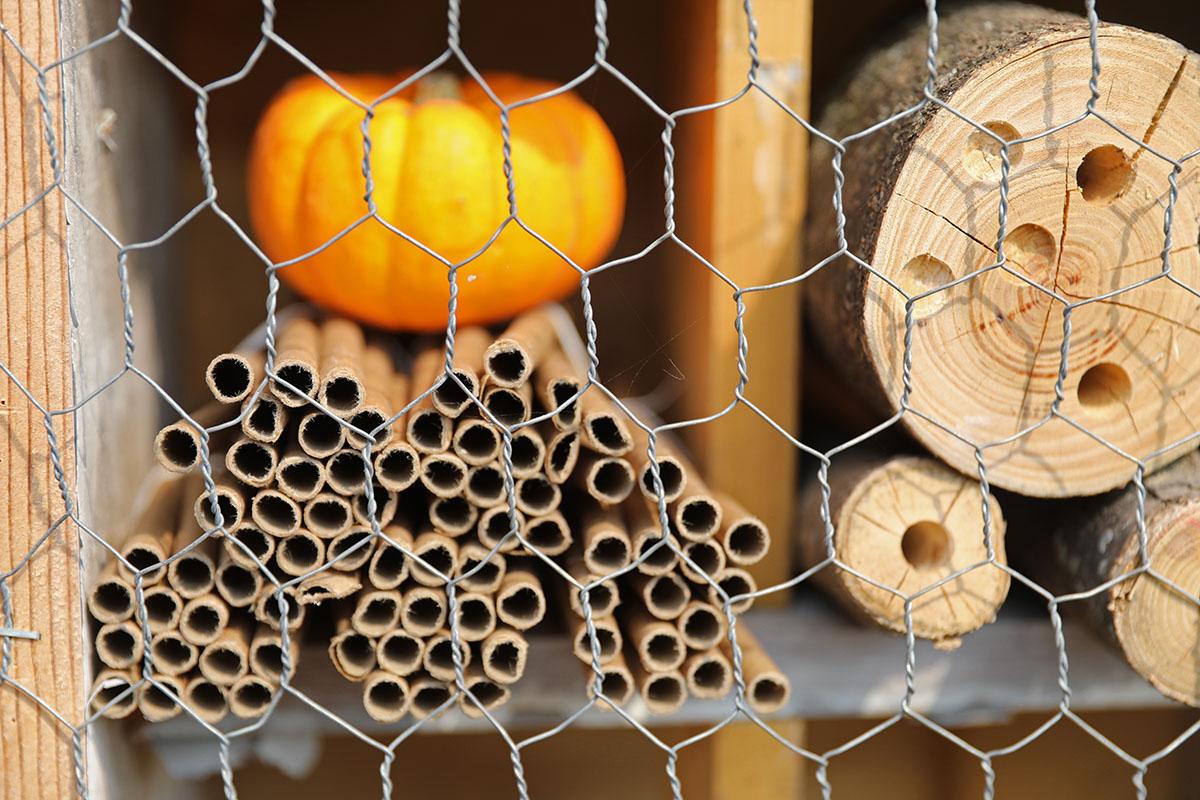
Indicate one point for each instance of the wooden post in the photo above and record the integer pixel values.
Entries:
(742, 172)
(36, 758)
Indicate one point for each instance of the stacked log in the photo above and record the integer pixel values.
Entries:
(291, 479)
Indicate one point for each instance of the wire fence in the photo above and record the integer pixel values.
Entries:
(80, 722)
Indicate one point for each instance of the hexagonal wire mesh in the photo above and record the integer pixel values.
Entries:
(222, 739)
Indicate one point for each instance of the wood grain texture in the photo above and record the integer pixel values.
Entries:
(742, 172)
(35, 749)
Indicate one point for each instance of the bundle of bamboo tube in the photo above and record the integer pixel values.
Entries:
(291, 488)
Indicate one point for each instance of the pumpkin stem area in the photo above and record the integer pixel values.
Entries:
(438, 85)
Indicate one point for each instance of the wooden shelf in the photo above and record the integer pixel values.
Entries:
(838, 670)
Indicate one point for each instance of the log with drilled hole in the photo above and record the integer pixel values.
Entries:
(1085, 219)
(1152, 617)
(910, 524)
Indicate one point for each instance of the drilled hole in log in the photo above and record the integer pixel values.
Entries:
(1030, 250)
(1104, 174)
(1105, 388)
(982, 157)
(920, 275)
(925, 544)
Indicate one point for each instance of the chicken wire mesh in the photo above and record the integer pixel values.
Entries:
(79, 722)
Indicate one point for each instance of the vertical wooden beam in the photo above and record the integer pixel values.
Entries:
(747, 762)
(35, 748)
(742, 172)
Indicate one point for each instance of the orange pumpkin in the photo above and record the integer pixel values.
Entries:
(437, 165)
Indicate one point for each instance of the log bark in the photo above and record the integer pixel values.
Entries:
(1085, 218)
(907, 522)
(1155, 626)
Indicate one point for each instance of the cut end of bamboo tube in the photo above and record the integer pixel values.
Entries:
(616, 683)
(301, 379)
(207, 700)
(253, 463)
(528, 453)
(193, 573)
(386, 503)
(439, 656)
(520, 601)
(670, 473)
(275, 512)
(662, 692)
(605, 432)
(265, 421)
(476, 616)
(352, 654)
(537, 496)
(177, 447)
(697, 517)
(376, 613)
(607, 639)
(171, 653)
(351, 550)
(326, 515)
(454, 515)
(238, 585)
(250, 697)
(300, 553)
(158, 700)
(479, 569)
(111, 599)
(609, 480)
(484, 694)
(266, 655)
(396, 466)
(503, 655)
(204, 618)
(164, 607)
(269, 611)
(229, 501)
(443, 474)
(701, 625)
(249, 546)
(325, 586)
(385, 696)
(485, 486)
(429, 431)
(736, 583)
(424, 611)
(707, 561)
(429, 697)
(399, 652)
(709, 675)
(231, 377)
(452, 397)
(549, 535)
(346, 472)
(665, 596)
(562, 455)
(300, 477)
(389, 564)
(745, 537)
(320, 435)
(113, 695)
(508, 363)
(119, 644)
(476, 442)
(495, 524)
(509, 406)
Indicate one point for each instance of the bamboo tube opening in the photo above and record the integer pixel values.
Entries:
(228, 500)
(400, 652)
(476, 616)
(206, 699)
(487, 694)
(476, 442)
(300, 477)
(520, 601)
(385, 696)
(142, 557)
(507, 363)
(250, 697)
(603, 597)
(429, 431)
(239, 586)
(261, 546)
(746, 541)
(485, 486)
(302, 377)
(607, 433)
(537, 496)
(616, 683)
(549, 535)
(701, 626)
(230, 377)
(347, 552)
(708, 675)
(528, 452)
(114, 687)
(670, 473)
(450, 399)
(343, 395)
(665, 596)
(386, 503)
(353, 654)
(662, 650)
(481, 573)
(443, 474)
(320, 435)
(735, 582)
(171, 653)
(204, 619)
(157, 705)
(428, 696)
(376, 613)
(327, 515)
(119, 644)
(664, 693)
(275, 512)
(266, 656)
(440, 557)
(327, 585)
(509, 406)
(607, 636)
(562, 456)
(193, 574)
(439, 656)
(559, 393)
(607, 552)
(223, 663)
(396, 466)
(654, 558)
(610, 480)
(163, 608)
(503, 655)
(768, 693)
(698, 517)
(495, 524)
(389, 565)
(707, 556)
(251, 462)
(266, 420)
(268, 610)
(300, 553)
(424, 611)
(178, 447)
(454, 515)
(346, 472)
(369, 420)
(111, 600)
